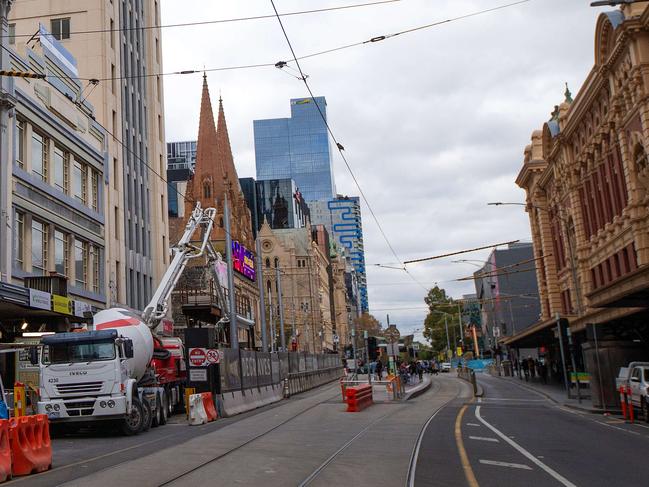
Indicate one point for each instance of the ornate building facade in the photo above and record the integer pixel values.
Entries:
(587, 182)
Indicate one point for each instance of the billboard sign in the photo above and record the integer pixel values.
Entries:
(243, 260)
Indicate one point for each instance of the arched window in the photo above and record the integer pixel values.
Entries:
(221, 222)
(207, 189)
(276, 262)
(267, 262)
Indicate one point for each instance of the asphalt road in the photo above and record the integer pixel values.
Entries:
(515, 437)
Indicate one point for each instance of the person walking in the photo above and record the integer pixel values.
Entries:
(420, 371)
(525, 365)
(379, 369)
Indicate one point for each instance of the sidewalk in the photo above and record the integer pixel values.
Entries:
(557, 394)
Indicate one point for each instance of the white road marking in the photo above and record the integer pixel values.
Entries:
(472, 424)
(482, 438)
(487, 399)
(525, 453)
(505, 464)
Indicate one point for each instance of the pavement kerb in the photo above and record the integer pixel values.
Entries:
(418, 390)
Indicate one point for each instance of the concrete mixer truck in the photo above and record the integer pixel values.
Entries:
(109, 372)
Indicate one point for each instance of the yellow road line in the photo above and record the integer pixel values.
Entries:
(464, 459)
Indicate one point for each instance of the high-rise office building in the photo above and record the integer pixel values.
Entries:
(129, 104)
(342, 218)
(297, 147)
(181, 159)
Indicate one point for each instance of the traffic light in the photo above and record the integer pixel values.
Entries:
(372, 348)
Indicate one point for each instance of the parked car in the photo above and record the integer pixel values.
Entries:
(446, 367)
(636, 377)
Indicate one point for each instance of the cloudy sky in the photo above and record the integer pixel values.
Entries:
(434, 122)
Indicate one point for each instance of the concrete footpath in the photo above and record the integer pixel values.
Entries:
(305, 437)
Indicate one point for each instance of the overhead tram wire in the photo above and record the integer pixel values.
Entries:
(340, 147)
(220, 21)
(281, 64)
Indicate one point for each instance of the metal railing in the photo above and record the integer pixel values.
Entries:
(297, 382)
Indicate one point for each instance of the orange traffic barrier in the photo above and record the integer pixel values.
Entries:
(31, 448)
(5, 451)
(359, 397)
(624, 400)
(208, 404)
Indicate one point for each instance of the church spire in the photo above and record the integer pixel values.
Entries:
(206, 144)
(224, 150)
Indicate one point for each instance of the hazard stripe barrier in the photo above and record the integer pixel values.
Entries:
(31, 448)
(359, 397)
(5, 451)
(208, 405)
(197, 413)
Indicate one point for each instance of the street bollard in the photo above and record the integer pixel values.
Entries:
(287, 392)
(188, 392)
(623, 401)
(629, 404)
(20, 405)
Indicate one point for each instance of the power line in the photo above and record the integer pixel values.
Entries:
(414, 261)
(339, 146)
(283, 64)
(218, 21)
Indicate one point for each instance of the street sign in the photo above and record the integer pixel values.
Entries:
(197, 357)
(213, 356)
(393, 349)
(392, 333)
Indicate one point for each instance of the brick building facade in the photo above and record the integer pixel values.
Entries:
(587, 182)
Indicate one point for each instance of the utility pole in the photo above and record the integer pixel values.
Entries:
(282, 347)
(448, 341)
(459, 320)
(272, 321)
(7, 104)
(234, 336)
(262, 301)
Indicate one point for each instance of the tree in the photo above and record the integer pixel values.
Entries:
(442, 310)
(367, 322)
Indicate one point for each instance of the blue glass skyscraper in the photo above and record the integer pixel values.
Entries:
(297, 148)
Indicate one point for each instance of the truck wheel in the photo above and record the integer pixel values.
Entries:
(147, 416)
(171, 408)
(164, 408)
(132, 424)
(155, 420)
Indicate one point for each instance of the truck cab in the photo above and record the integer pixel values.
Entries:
(636, 378)
(84, 376)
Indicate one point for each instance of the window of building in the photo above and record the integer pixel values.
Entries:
(116, 225)
(39, 247)
(61, 169)
(20, 152)
(61, 253)
(19, 239)
(207, 190)
(267, 262)
(94, 257)
(39, 155)
(12, 33)
(640, 157)
(60, 28)
(79, 181)
(114, 175)
(113, 76)
(276, 262)
(112, 35)
(94, 190)
(81, 263)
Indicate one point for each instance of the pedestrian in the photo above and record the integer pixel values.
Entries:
(420, 371)
(379, 368)
(525, 365)
(372, 370)
(543, 370)
(530, 364)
